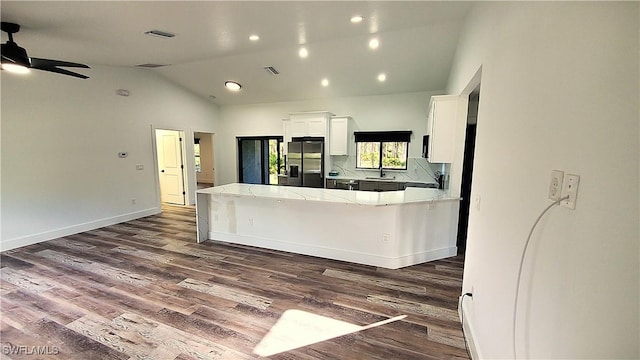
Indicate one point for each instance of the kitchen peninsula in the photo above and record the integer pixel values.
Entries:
(390, 229)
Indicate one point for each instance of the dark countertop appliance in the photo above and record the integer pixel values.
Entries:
(305, 159)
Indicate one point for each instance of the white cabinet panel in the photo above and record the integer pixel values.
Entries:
(298, 128)
(286, 130)
(317, 127)
(314, 124)
(441, 128)
(339, 135)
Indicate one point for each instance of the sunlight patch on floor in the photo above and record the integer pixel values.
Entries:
(297, 328)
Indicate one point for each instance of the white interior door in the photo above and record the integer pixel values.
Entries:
(170, 166)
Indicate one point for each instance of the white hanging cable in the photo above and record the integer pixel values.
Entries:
(524, 251)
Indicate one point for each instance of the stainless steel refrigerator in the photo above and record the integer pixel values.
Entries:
(305, 159)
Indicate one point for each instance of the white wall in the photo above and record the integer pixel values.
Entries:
(559, 91)
(384, 112)
(60, 140)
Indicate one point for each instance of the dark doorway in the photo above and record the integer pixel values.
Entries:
(260, 159)
(467, 169)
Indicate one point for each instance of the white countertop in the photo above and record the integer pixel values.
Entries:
(410, 195)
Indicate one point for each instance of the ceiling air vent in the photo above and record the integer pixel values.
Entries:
(271, 70)
(150, 66)
(160, 33)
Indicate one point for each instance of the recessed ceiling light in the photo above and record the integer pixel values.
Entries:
(374, 43)
(357, 19)
(254, 37)
(325, 82)
(382, 77)
(232, 85)
(303, 52)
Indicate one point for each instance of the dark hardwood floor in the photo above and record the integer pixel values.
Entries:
(145, 290)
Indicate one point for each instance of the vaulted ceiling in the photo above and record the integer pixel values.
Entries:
(417, 42)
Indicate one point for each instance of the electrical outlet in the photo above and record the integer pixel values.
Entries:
(139, 167)
(570, 188)
(555, 186)
(386, 238)
(251, 221)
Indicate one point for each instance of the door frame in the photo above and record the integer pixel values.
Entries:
(212, 154)
(185, 170)
(239, 139)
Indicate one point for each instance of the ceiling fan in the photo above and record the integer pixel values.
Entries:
(15, 58)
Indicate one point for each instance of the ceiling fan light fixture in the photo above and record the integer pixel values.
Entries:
(15, 68)
(14, 54)
(232, 85)
(15, 58)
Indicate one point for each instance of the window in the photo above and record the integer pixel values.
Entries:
(196, 152)
(394, 155)
(388, 149)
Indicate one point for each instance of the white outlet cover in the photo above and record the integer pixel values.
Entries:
(555, 185)
(476, 201)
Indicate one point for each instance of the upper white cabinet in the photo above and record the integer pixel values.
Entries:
(441, 128)
(286, 129)
(314, 124)
(339, 134)
(306, 124)
(317, 126)
(298, 127)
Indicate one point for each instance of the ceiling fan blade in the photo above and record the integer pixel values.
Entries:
(56, 70)
(38, 63)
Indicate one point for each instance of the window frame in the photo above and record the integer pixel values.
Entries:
(381, 156)
(382, 137)
(196, 155)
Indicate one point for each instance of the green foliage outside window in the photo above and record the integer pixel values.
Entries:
(394, 155)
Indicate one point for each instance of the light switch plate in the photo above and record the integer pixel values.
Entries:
(570, 188)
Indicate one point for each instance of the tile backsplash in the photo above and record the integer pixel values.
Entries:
(418, 169)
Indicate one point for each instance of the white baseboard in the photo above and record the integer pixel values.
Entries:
(466, 314)
(335, 254)
(74, 229)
